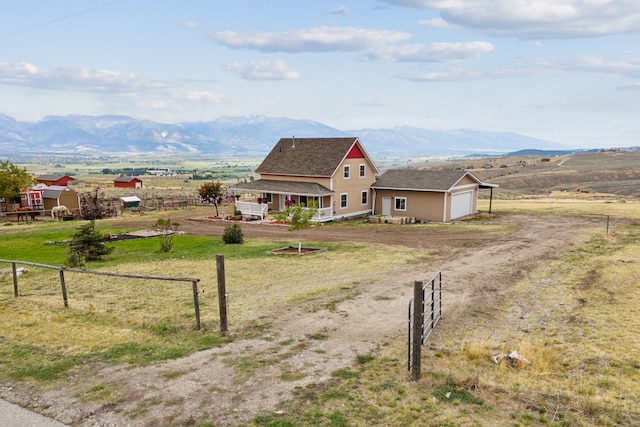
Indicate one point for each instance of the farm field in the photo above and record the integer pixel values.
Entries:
(321, 339)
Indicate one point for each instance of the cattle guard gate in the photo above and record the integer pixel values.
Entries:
(425, 310)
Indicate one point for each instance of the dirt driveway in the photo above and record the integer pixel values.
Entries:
(478, 268)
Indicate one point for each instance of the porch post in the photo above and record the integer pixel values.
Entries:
(490, 199)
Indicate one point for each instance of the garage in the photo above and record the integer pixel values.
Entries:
(428, 195)
(461, 204)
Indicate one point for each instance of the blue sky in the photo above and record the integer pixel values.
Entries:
(562, 70)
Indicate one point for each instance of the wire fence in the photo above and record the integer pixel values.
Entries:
(130, 300)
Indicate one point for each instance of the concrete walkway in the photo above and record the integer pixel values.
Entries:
(12, 415)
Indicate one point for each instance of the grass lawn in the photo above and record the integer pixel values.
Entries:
(581, 342)
(139, 321)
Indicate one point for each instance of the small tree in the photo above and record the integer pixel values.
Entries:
(13, 180)
(87, 244)
(168, 229)
(299, 218)
(93, 206)
(211, 192)
(233, 234)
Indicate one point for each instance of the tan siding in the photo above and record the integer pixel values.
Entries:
(421, 205)
(353, 186)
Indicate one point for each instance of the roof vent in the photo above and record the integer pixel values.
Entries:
(293, 142)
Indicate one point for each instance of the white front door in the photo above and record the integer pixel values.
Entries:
(386, 206)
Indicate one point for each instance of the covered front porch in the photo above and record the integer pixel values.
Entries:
(263, 197)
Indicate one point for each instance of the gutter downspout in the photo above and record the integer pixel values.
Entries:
(444, 211)
(373, 202)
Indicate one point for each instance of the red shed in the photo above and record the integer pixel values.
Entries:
(127, 182)
(55, 179)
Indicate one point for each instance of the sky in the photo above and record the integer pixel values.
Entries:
(566, 71)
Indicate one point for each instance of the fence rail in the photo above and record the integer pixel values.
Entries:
(63, 286)
(425, 310)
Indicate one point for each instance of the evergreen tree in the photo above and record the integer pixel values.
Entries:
(87, 244)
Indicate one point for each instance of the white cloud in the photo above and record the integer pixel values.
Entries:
(592, 64)
(272, 69)
(538, 68)
(340, 10)
(537, 18)
(199, 96)
(462, 74)
(435, 23)
(378, 45)
(318, 39)
(633, 86)
(435, 52)
(84, 79)
(190, 24)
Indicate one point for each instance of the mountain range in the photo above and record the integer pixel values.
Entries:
(238, 136)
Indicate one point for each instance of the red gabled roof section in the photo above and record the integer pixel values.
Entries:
(355, 153)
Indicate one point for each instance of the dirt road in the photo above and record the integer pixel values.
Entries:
(478, 268)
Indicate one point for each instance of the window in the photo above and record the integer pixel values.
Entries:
(303, 199)
(346, 171)
(401, 203)
(363, 171)
(364, 198)
(268, 198)
(343, 201)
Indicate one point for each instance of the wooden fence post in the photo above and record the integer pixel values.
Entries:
(64, 289)
(222, 294)
(196, 302)
(15, 279)
(417, 330)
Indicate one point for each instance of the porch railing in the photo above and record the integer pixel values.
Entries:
(252, 208)
(322, 214)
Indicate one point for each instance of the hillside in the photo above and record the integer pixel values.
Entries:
(610, 172)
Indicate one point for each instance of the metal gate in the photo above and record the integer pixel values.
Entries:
(425, 310)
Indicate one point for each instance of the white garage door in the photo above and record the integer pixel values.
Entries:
(461, 204)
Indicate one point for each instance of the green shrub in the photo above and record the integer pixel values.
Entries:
(87, 244)
(233, 234)
(168, 229)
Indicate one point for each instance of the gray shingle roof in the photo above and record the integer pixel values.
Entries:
(306, 156)
(284, 187)
(51, 177)
(420, 180)
(53, 191)
(126, 179)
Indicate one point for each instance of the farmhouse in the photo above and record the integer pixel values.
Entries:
(55, 179)
(127, 182)
(56, 195)
(335, 173)
(432, 195)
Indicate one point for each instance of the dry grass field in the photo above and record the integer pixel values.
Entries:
(321, 339)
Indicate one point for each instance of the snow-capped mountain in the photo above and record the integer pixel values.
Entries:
(253, 135)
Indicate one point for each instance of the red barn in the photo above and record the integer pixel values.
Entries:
(55, 179)
(127, 182)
